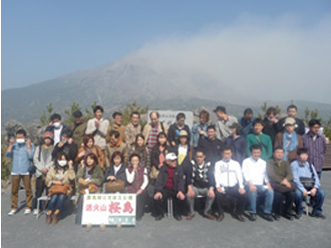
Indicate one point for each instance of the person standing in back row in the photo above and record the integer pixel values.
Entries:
(223, 124)
(98, 127)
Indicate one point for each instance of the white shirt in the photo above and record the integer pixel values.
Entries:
(130, 178)
(57, 134)
(117, 168)
(255, 171)
(228, 174)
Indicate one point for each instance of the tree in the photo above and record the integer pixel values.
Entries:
(45, 118)
(311, 114)
(132, 107)
(69, 113)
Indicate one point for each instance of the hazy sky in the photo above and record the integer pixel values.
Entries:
(285, 41)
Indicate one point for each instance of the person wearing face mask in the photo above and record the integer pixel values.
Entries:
(61, 173)
(70, 149)
(42, 160)
(21, 151)
(57, 127)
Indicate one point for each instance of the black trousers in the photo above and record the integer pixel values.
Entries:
(279, 197)
(141, 201)
(237, 201)
(160, 204)
(40, 187)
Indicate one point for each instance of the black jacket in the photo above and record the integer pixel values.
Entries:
(69, 149)
(119, 175)
(187, 166)
(172, 135)
(162, 178)
(156, 153)
(212, 149)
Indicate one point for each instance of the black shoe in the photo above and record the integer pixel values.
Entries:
(289, 217)
(159, 217)
(298, 216)
(252, 217)
(240, 217)
(268, 217)
(220, 217)
(276, 217)
(178, 217)
(321, 216)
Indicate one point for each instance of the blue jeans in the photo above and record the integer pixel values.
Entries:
(268, 199)
(56, 202)
(317, 201)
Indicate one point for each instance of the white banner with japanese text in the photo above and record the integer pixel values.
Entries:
(109, 209)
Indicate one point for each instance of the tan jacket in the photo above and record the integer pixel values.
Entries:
(131, 133)
(97, 151)
(111, 149)
(120, 129)
(291, 156)
(148, 128)
(69, 175)
(78, 133)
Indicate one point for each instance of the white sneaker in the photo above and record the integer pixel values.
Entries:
(27, 211)
(12, 212)
(36, 211)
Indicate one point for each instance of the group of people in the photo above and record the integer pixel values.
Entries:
(231, 165)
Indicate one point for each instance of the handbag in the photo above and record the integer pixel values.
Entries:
(115, 186)
(91, 187)
(308, 182)
(65, 189)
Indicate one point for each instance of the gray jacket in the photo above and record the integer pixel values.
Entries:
(44, 162)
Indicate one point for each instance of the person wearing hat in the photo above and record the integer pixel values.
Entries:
(224, 122)
(289, 140)
(169, 184)
(175, 128)
(43, 161)
(78, 128)
(292, 112)
(237, 143)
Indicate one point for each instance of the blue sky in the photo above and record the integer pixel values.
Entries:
(45, 39)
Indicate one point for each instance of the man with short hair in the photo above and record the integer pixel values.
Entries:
(98, 127)
(211, 146)
(170, 184)
(292, 112)
(21, 151)
(224, 122)
(132, 129)
(151, 130)
(316, 146)
(229, 183)
(281, 179)
(57, 127)
(255, 174)
(259, 138)
(199, 130)
(175, 128)
(302, 169)
(237, 143)
(70, 149)
(200, 186)
(246, 122)
(116, 126)
(78, 128)
(116, 144)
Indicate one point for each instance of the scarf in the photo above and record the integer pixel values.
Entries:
(289, 143)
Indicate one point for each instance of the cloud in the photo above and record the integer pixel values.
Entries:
(263, 59)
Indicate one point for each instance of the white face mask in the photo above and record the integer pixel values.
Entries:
(57, 124)
(62, 163)
(20, 141)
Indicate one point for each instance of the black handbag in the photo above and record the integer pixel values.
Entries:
(308, 182)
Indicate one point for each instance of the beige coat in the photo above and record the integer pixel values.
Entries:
(148, 128)
(99, 133)
(66, 178)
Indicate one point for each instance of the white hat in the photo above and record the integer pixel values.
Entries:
(171, 156)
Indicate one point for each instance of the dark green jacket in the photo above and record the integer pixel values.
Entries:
(277, 173)
(97, 176)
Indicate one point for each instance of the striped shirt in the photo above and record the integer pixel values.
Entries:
(152, 138)
(316, 149)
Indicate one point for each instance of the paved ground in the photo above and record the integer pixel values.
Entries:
(26, 231)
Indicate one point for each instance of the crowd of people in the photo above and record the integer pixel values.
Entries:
(252, 164)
